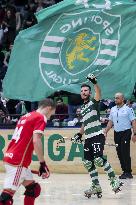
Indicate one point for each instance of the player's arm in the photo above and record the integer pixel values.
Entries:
(82, 129)
(109, 126)
(132, 118)
(92, 78)
(97, 95)
(37, 142)
(38, 148)
(134, 131)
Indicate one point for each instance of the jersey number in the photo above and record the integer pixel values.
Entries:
(17, 133)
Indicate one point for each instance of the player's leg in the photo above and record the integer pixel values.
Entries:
(89, 165)
(125, 153)
(114, 182)
(6, 197)
(95, 187)
(33, 189)
(101, 161)
(118, 141)
(11, 184)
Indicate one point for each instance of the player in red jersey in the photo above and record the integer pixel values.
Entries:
(17, 158)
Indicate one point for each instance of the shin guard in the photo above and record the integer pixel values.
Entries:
(32, 191)
(6, 198)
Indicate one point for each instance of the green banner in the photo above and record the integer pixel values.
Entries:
(54, 153)
(74, 38)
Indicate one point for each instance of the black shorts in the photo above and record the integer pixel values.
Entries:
(94, 147)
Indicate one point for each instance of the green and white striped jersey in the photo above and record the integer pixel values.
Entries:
(91, 119)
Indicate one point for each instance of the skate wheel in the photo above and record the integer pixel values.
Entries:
(88, 196)
(99, 196)
(118, 190)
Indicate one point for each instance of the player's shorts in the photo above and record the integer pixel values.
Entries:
(15, 176)
(93, 147)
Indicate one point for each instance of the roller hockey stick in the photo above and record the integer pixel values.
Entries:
(62, 140)
(35, 172)
(111, 145)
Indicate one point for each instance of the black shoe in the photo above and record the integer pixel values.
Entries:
(123, 176)
(129, 175)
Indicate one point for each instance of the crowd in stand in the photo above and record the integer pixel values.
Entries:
(67, 111)
(16, 15)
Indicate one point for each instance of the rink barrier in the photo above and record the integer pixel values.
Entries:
(67, 158)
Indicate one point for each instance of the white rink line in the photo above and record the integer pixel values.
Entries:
(43, 195)
(45, 182)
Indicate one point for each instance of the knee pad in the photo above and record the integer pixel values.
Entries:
(88, 165)
(99, 161)
(33, 190)
(6, 198)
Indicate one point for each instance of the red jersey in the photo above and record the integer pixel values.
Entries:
(20, 149)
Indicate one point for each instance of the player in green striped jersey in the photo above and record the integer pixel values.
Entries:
(94, 139)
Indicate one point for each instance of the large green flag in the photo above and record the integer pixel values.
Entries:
(74, 38)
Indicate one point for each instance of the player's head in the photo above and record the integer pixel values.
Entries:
(47, 107)
(119, 99)
(59, 101)
(85, 92)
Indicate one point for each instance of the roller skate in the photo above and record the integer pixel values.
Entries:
(115, 184)
(95, 189)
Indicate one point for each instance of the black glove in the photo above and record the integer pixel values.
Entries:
(44, 170)
(92, 78)
(77, 138)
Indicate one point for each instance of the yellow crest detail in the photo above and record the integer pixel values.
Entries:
(78, 53)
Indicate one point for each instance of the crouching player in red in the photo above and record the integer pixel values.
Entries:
(26, 138)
